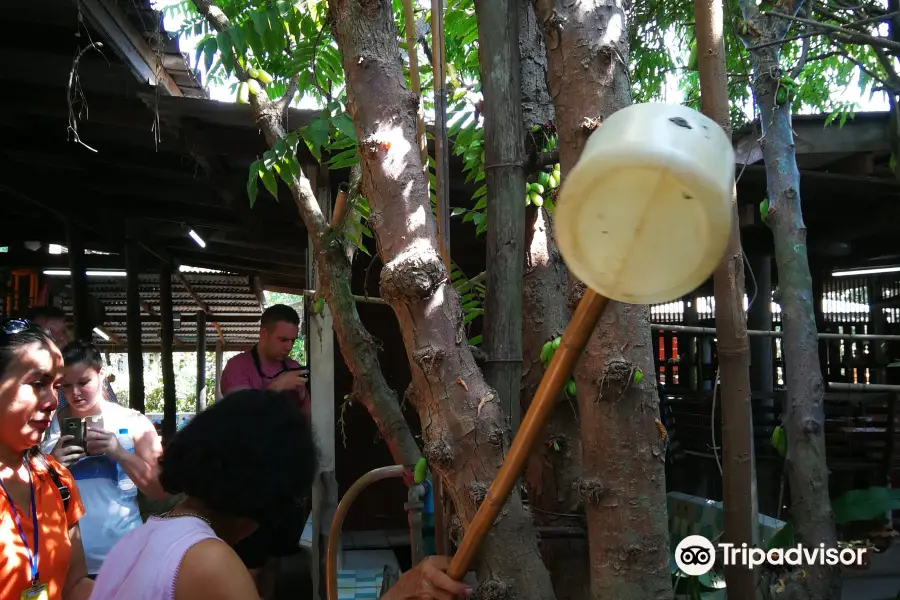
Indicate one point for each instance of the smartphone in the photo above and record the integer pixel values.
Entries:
(75, 427)
(92, 422)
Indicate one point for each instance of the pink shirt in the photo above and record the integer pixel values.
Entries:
(240, 372)
(144, 564)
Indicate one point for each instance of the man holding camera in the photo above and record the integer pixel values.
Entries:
(268, 366)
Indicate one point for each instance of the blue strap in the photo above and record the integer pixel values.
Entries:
(32, 556)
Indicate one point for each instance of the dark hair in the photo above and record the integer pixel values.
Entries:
(278, 313)
(16, 333)
(46, 313)
(251, 454)
(78, 352)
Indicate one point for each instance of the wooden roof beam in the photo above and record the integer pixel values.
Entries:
(129, 44)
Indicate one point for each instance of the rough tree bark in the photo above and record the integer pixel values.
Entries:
(740, 520)
(804, 414)
(463, 427)
(551, 473)
(357, 346)
(623, 487)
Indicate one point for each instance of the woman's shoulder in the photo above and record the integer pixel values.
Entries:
(45, 463)
(211, 568)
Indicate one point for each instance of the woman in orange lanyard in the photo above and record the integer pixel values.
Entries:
(39, 505)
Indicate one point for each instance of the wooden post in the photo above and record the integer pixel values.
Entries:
(739, 507)
(504, 135)
(135, 343)
(201, 361)
(762, 377)
(167, 340)
(75, 245)
(320, 357)
(220, 351)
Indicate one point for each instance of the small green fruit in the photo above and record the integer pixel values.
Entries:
(243, 95)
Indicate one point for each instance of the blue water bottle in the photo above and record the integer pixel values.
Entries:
(126, 485)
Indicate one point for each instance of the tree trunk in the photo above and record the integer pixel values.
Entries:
(804, 415)
(740, 520)
(555, 465)
(357, 346)
(623, 487)
(463, 427)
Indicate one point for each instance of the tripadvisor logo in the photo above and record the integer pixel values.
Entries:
(695, 556)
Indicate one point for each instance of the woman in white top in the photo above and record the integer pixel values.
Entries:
(107, 471)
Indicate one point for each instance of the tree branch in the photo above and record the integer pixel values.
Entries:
(285, 101)
(894, 86)
(854, 36)
(801, 60)
(356, 343)
(268, 117)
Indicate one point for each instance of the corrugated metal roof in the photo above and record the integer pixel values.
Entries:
(230, 297)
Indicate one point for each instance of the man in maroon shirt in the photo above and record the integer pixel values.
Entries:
(267, 366)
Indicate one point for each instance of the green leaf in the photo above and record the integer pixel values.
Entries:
(268, 179)
(783, 538)
(237, 37)
(344, 124)
(252, 188)
(315, 134)
(865, 505)
(470, 316)
(475, 340)
(254, 41)
(457, 211)
(223, 41)
(275, 40)
(210, 46)
(260, 23)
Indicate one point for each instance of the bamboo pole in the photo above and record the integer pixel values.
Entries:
(739, 506)
(415, 84)
(441, 146)
(498, 24)
(574, 339)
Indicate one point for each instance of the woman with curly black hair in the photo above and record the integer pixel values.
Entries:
(246, 461)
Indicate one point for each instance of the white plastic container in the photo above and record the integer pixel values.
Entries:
(645, 215)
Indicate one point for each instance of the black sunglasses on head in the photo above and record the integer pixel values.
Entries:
(10, 327)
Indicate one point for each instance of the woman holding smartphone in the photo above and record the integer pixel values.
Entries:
(40, 507)
(113, 456)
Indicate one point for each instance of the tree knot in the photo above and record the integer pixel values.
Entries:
(492, 589)
(413, 275)
(439, 453)
(477, 491)
(616, 379)
(428, 359)
(590, 489)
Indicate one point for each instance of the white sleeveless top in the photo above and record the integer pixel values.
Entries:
(109, 514)
(144, 565)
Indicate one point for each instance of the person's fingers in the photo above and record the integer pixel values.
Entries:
(435, 593)
(433, 571)
(65, 438)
